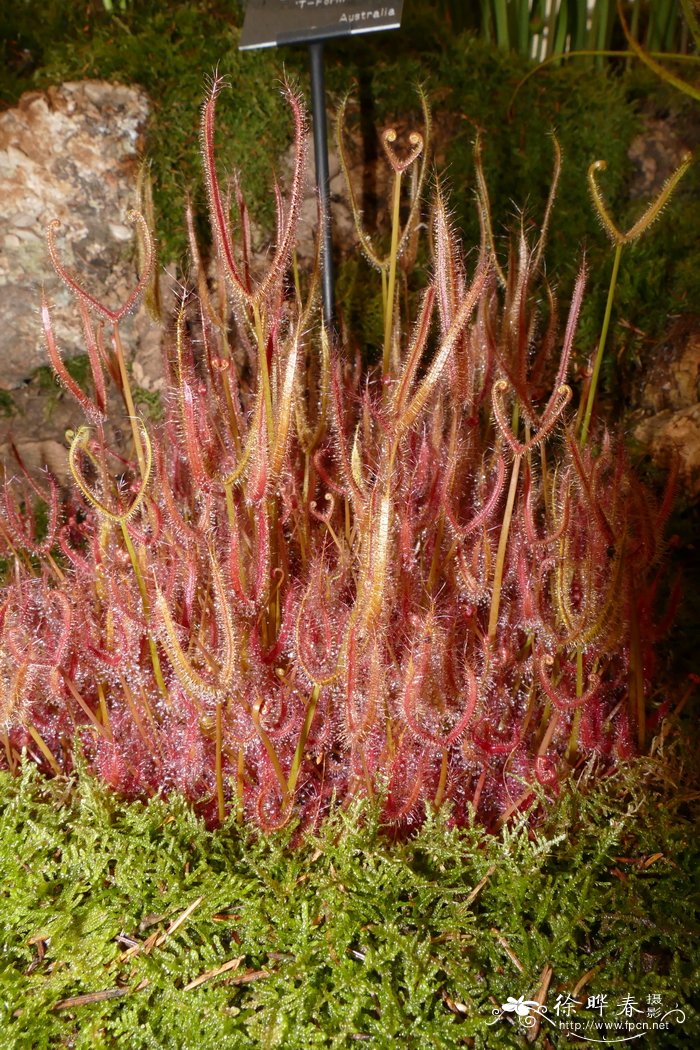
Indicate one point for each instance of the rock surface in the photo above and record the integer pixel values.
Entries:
(667, 421)
(70, 153)
(655, 153)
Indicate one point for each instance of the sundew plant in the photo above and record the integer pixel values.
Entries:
(317, 578)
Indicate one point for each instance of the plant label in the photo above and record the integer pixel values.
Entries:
(269, 23)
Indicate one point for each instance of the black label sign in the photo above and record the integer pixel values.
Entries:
(271, 22)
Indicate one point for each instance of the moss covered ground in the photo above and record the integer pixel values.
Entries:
(133, 925)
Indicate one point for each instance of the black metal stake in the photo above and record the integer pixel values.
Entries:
(318, 109)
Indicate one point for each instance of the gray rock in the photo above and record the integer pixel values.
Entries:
(655, 153)
(70, 153)
(675, 434)
(667, 416)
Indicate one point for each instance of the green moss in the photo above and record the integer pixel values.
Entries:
(78, 367)
(150, 402)
(8, 408)
(44, 379)
(348, 935)
(359, 295)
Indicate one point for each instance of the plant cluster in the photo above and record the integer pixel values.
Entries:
(316, 579)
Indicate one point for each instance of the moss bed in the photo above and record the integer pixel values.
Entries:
(134, 925)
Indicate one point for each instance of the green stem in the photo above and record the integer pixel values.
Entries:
(230, 507)
(271, 753)
(501, 20)
(267, 391)
(303, 737)
(221, 804)
(637, 676)
(45, 749)
(295, 271)
(601, 345)
(440, 793)
(437, 559)
(501, 553)
(389, 314)
(155, 659)
(239, 786)
(573, 737)
(136, 567)
(524, 38)
(104, 711)
(265, 374)
(129, 401)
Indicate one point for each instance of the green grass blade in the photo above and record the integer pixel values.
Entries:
(578, 21)
(500, 11)
(523, 36)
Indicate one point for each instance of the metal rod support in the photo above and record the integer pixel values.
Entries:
(318, 109)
